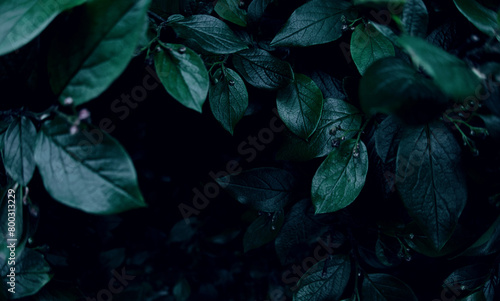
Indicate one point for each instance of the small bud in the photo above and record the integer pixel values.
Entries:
(158, 49)
(73, 130)
(412, 236)
(68, 101)
(83, 114)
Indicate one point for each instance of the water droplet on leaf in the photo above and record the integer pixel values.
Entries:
(231, 82)
(182, 50)
(412, 236)
(345, 27)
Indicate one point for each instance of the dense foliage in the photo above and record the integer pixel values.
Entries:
(359, 138)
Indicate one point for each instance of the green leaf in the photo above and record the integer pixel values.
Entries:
(228, 98)
(18, 149)
(23, 20)
(89, 170)
(387, 137)
(477, 296)
(230, 10)
(264, 189)
(415, 18)
(330, 86)
(262, 70)
(423, 244)
(32, 273)
(359, 2)
(431, 181)
(369, 45)
(316, 22)
(339, 119)
(468, 278)
(303, 228)
(390, 85)
(182, 290)
(340, 178)
(183, 74)
(449, 73)
(384, 287)
(483, 18)
(488, 243)
(326, 280)
(300, 105)
(209, 34)
(263, 230)
(256, 9)
(94, 48)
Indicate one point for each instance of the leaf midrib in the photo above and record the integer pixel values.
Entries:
(106, 179)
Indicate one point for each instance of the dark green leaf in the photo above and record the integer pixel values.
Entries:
(386, 31)
(369, 45)
(483, 18)
(329, 85)
(488, 243)
(95, 47)
(477, 296)
(228, 98)
(301, 228)
(263, 230)
(209, 34)
(359, 2)
(230, 10)
(383, 287)
(256, 9)
(387, 137)
(423, 244)
(264, 189)
(431, 181)
(338, 119)
(449, 73)
(183, 74)
(468, 278)
(386, 250)
(19, 141)
(340, 178)
(300, 105)
(32, 273)
(182, 290)
(23, 20)
(391, 86)
(316, 22)
(415, 18)
(262, 70)
(89, 170)
(326, 280)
